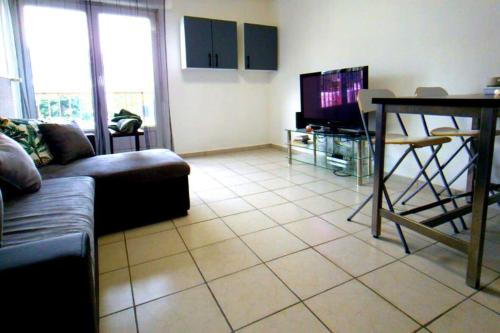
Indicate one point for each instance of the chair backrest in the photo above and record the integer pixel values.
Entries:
(430, 92)
(365, 98)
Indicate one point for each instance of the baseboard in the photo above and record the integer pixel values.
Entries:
(226, 150)
(279, 147)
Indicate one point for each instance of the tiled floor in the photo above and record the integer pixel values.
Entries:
(266, 248)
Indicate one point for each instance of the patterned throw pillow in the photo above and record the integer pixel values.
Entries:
(27, 133)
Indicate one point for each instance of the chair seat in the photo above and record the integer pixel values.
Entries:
(416, 141)
(451, 131)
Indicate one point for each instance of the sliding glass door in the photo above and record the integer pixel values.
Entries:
(127, 56)
(58, 41)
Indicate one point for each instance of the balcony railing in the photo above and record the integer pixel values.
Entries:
(77, 106)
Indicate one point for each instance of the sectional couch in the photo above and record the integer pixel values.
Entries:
(48, 258)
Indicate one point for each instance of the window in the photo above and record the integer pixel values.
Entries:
(58, 41)
(127, 54)
(59, 48)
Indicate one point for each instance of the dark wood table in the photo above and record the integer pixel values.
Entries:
(114, 134)
(484, 110)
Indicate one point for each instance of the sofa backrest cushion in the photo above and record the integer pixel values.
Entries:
(18, 173)
(67, 142)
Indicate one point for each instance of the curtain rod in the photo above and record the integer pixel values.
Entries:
(156, 4)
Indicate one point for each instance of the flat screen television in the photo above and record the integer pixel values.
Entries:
(329, 98)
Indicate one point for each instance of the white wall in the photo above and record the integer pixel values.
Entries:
(216, 109)
(449, 43)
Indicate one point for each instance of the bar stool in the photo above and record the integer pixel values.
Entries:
(364, 99)
(465, 136)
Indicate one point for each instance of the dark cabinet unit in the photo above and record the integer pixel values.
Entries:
(261, 47)
(198, 42)
(208, 43)
(224, 44)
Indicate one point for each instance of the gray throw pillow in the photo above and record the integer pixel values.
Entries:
(67, 142)
(18, 173)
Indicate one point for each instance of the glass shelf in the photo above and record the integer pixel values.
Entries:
(345, 154)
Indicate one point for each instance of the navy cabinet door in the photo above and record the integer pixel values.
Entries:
(261, 47)
(224, 44)
(198, 42)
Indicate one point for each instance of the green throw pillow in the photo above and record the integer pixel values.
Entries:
(27, 133)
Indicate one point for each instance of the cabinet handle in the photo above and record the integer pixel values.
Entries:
(248, 61)
(209, 60)
(216, 60)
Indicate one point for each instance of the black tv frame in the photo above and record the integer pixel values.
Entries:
(325, 121)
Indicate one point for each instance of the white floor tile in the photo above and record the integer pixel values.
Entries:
(286, 213)
(251, 295)
(273, 243)
(413, 292)
(353, 255)
(248, 222)
(161, 277)
(308, 273)
(352, 308)
(230, 207)
(121, 322)
(192, 310)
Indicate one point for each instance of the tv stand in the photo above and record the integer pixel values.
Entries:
(343, 153)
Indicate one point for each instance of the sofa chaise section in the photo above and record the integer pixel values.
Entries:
(132, 189)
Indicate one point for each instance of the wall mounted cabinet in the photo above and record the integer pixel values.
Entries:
(261, 47)
(207, 43)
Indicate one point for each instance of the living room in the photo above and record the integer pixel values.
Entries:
(211, 203)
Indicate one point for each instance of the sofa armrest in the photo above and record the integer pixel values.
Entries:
(1, 217)
(91, 137)
(48, 285)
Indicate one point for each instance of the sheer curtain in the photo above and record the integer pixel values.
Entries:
(8, 65)
(124, 71)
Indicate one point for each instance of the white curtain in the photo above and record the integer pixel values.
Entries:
(10, 104)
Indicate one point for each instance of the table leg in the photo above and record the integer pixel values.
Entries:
(315, 145)
(378, 181)
(289, 138)
(359, 164)
(370, 164)
(111, 145)
(137, 143)
(473, 149)
(480, 195)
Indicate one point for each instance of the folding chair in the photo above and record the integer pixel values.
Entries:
(466, 137)
(413, 142)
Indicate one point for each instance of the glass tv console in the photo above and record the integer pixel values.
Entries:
(344, 154)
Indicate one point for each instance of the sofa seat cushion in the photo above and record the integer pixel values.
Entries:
(62, 206)
(136, 167)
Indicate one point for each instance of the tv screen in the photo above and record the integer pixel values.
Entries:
(330, 97)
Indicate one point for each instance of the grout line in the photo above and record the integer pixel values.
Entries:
(387, 300)
(444, 313)
(487, 307)
(290, 289)
(131, 286)
(156, 299)
(316, 179)
(270, 315)
(309, 247)
(205, 282)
